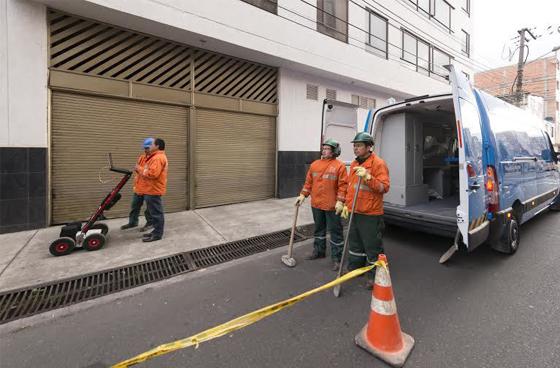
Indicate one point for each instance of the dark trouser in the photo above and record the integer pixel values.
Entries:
(365, 241)
(136, 206)
(155, 206)
(328, 220)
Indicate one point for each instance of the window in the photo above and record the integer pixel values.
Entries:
(467, 6)
(466, 43)
(332, 18)
(422, 5)
(409, 48)
(439, 59)
(416, 52)
(426, 58)
(442, 13)
(378, 29)
(423, 57)
(268, 5)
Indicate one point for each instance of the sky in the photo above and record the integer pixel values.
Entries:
(495, 23)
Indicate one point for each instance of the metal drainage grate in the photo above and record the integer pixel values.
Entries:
(15, 304)
(229, 251)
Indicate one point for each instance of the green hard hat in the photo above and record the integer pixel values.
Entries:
(363, 137)
(334, 144)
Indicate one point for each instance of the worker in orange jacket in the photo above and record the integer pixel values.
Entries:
(152, 185)
(137, 197)
(365, 236)
(326, 183)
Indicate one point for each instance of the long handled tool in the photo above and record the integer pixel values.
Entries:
(288, 260)
(336, 289)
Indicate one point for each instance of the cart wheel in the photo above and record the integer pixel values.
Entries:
(103, 227)
(62, 246)
(94, 242)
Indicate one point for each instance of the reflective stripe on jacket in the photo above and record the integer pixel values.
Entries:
(152, 180)
(370, 197)
(326, 182)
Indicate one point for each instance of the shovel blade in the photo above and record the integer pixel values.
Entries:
(450, 252)
(288, 261)
(336, 290)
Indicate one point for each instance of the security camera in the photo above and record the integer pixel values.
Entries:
(329, 106)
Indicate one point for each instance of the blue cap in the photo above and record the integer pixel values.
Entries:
(148, 142)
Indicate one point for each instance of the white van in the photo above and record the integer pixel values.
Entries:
(467, 165)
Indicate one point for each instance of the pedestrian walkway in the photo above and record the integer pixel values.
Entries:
(26, 260)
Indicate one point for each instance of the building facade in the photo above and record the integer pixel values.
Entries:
(235, 87)
(541, 78)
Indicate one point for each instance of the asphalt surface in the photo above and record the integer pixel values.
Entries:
(480, 310)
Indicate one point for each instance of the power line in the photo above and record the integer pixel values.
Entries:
(389, 54)
(418, 30)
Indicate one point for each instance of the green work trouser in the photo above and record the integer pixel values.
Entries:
(327, 220)
(365, 241)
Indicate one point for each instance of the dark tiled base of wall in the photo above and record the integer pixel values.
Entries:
(292, 168)
(23, 189)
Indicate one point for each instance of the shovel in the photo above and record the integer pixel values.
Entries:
(336, 289)
(287, 259)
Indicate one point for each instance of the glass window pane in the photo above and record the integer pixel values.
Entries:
(439, 60)
(424, 5)
(378, 32)
(442, 12)
(409, 48)
(423, 57)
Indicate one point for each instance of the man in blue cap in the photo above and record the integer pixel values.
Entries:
(137, 197)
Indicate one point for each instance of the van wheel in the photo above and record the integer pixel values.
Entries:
(512, 236)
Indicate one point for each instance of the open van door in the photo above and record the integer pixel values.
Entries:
(472, 223)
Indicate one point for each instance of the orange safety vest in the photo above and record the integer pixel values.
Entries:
(152, 179)
(370, 197)
(326, 181)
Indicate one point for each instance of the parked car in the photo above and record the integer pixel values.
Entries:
(466, 164)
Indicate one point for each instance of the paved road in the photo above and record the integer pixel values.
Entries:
(481, 310)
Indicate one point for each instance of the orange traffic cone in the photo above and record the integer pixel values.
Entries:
(382, 335)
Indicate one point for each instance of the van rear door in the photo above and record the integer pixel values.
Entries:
(471, 212)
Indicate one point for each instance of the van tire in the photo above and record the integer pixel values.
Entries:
(511, 236)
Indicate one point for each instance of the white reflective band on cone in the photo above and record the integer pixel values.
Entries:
(382, 277)
(383, 307)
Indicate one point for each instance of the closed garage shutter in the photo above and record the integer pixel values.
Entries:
(85, 128)
(235, 157)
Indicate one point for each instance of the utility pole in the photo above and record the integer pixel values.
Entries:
(521, 64)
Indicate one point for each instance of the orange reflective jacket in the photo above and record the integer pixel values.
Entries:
(370, 197)
(152, 178)
(326, 181)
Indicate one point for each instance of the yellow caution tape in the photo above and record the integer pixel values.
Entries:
(240, 322)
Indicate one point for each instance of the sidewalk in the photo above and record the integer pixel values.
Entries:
(26, 260)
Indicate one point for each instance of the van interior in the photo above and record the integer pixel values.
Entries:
(419, 145)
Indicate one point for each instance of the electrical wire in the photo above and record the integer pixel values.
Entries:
(467, 61)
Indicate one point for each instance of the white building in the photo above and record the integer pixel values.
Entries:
(234, 87)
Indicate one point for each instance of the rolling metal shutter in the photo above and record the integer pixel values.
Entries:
(234, 157)
(85, 128)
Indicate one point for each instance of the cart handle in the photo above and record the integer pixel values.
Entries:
(116, 169)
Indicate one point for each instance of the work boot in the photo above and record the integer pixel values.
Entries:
(151, 238)
(315, 255)
(336, 266)
(128, 226)
(146, 227)
(147, 235)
